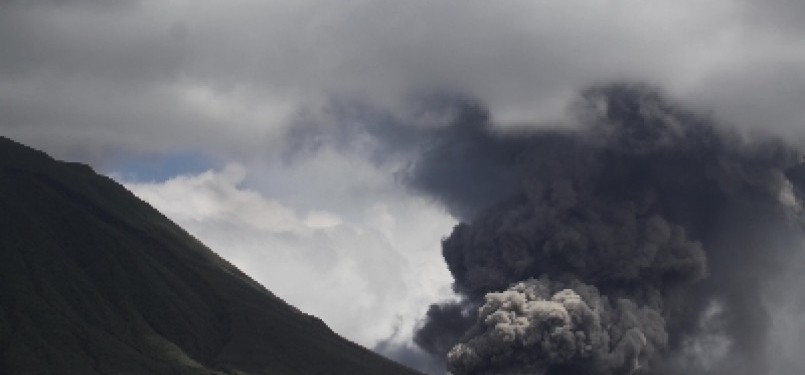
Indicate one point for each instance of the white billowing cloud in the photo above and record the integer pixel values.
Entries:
(214, 196)
(381, 262)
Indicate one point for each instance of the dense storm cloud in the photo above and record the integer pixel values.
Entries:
(644, 210)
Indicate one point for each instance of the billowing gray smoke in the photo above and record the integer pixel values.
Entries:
(537, 324)
(604, 249)
(644, 239)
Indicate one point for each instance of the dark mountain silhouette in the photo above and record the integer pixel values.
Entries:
(95, 281)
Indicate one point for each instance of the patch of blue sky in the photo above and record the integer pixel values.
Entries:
(159, 168)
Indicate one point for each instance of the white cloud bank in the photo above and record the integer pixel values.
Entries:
(364, 275)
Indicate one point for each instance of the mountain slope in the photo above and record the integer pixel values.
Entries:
(95, 281)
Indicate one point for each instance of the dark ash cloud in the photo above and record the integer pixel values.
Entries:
(645, 209)
(538, 326)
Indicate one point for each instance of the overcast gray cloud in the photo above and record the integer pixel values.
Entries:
(87, 76)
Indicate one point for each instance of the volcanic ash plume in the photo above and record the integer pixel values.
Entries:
(608, 245)
(537, 324)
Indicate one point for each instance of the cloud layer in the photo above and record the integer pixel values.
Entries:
(86, 78)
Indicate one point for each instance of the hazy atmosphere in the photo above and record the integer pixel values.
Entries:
(450, 183)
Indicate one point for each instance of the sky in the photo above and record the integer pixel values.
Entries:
(277, 131)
